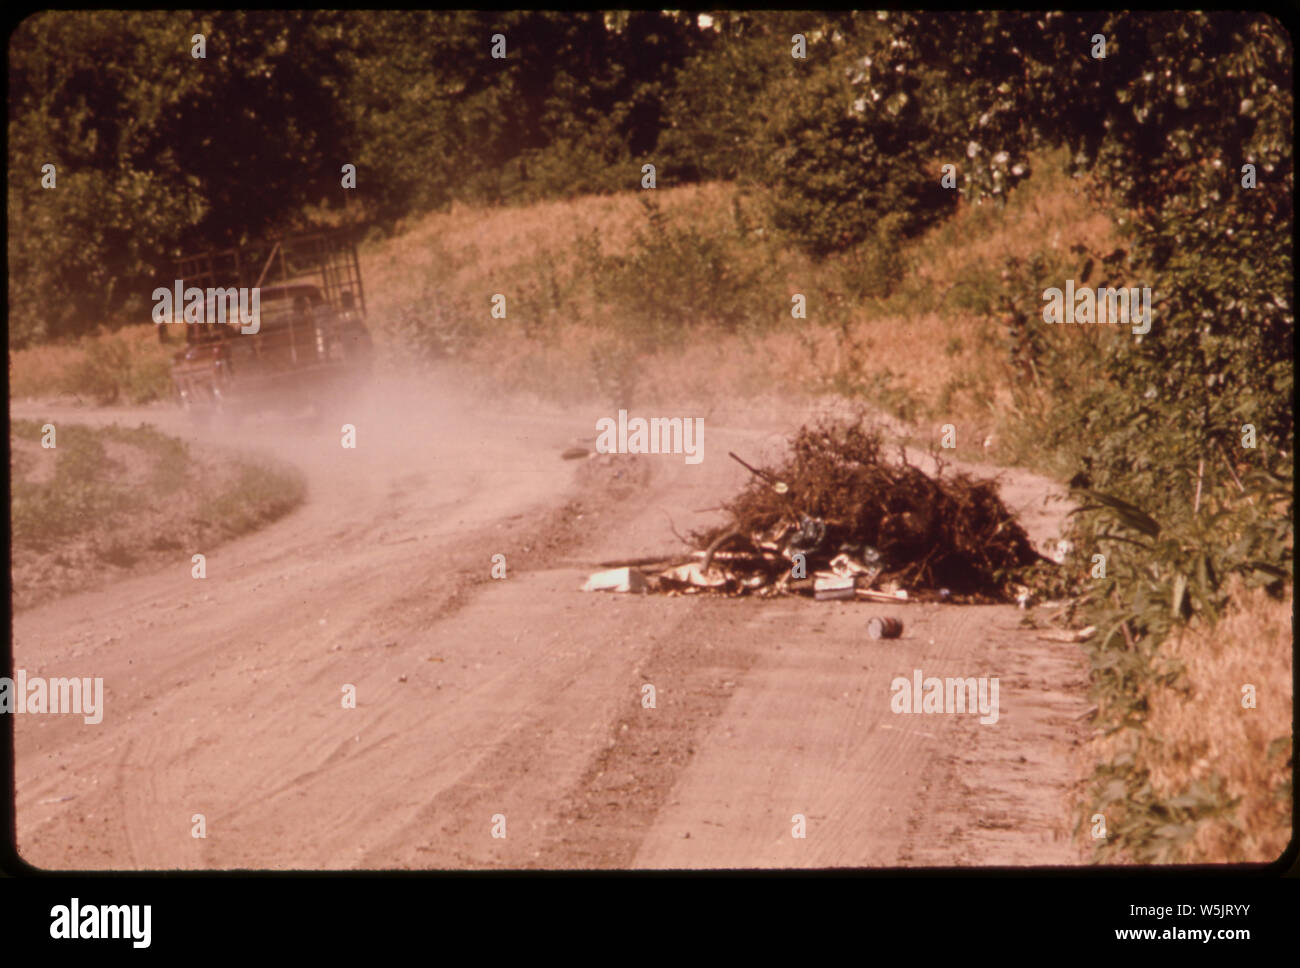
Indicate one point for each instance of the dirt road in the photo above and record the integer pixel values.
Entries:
(516, 706)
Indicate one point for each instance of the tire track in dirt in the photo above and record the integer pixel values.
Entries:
(604, 816)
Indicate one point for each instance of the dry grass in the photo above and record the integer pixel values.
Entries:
(1207, 730)
(1197, 731)
(474, 252)
(128, 365)
(39, 370)
(1050, 211)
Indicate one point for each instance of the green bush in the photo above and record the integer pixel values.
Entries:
(876, 267)
(674, 279)
(839, 162)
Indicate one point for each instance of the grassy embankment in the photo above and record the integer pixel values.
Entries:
(106, 500)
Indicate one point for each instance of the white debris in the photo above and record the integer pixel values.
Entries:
(616, 580)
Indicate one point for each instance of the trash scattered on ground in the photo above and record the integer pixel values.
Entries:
(885, 628)
(840, 520)
(616, 580)
(833, 588)
(1069, 635)
(575, 453)
(895, 596)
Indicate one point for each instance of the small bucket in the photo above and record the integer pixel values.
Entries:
(884, 628)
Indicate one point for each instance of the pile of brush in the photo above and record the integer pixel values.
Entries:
(841, 519)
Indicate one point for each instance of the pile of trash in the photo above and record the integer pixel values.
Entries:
(840, 520)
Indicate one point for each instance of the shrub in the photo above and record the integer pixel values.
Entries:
(674, 279)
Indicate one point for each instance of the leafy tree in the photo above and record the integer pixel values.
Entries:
(155, 149)
(575, 100)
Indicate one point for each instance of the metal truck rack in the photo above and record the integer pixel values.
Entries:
(326, 258)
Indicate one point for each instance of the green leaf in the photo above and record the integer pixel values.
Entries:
(1132, 516)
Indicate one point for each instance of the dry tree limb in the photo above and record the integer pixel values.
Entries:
(1228, 464)
(673, 528)
(716, 544)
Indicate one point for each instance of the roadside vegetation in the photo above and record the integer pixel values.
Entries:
(129, 366)
(109, 499)
(684, 294)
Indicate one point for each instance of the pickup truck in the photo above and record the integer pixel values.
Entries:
(310, 347)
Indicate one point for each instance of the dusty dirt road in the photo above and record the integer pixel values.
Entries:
(481, 699)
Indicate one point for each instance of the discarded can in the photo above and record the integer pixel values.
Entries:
(884, 628)
(944, 595)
